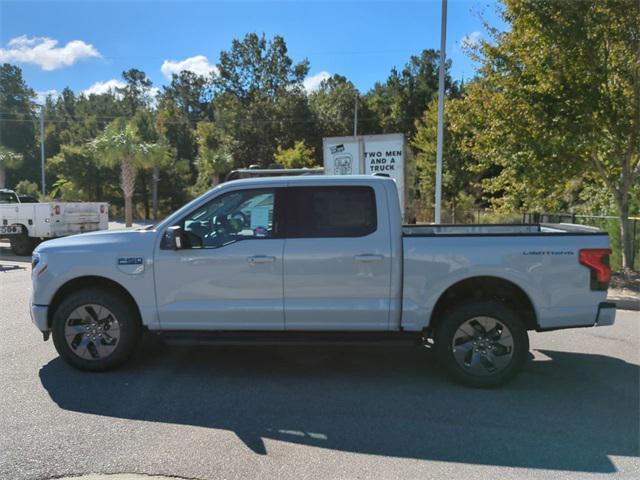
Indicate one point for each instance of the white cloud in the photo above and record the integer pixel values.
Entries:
(42, 51)
(313, 82)
(99, 88)
(42, 96)
(471, 40)
(199, 65)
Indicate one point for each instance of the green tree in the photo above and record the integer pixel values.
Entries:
(192, 94)
(403, 97)
(154, 154)
(559, 101)
(17, 133)
(73, 167)
(78, 174)
(25, 187)
(212, 160)
(332, 106)
(137, 90)
(298, 156)
(119, 145)
(255, 67)
(173, 125)
(9, 160)
(259, 100)
(457, 177)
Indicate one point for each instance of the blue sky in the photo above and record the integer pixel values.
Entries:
(86, 45)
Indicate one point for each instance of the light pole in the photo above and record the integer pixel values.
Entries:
(440, 133)
(42, 149)
(355, 117)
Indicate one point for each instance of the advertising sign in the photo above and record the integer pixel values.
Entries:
(384, 155)
(342, 156)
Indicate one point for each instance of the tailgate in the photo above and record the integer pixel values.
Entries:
(67, 218)
(70, 213)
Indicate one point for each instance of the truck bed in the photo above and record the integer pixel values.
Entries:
(541, 259)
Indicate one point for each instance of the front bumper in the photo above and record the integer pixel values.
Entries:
(39, 317)
(606, 314)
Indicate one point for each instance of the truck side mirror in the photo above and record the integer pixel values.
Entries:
(173, 238)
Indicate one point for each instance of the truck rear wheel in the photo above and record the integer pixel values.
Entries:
(22, 244)
(481, 344)
(95, 330)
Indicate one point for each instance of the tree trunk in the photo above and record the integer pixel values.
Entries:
(145, 194)
(98, 185)
(3, 177)
(128, 184)
(626, 238)
(128, 210)
(154, 194)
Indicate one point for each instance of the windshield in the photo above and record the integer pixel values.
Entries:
(8, 197)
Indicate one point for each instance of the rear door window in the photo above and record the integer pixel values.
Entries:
(316, 212)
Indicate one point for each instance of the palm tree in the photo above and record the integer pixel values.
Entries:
(8, 160)
(154, 156)
(119, 145)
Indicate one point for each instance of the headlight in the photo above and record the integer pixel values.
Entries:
(35, 258)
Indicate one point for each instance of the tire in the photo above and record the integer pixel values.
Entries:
(22, 244)
(95, 329)
(495, 357)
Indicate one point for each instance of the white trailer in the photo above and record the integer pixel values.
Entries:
(367, 155)
(27, 224)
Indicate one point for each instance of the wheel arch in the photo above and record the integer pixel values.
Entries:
(89, 281)
(486, 287)
(23, 228)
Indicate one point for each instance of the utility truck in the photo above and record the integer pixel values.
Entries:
(27, 224)
(320, 259)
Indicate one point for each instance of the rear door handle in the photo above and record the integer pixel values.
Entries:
(261, 259)
(369, 258)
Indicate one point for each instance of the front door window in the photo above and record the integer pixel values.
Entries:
(235, 216)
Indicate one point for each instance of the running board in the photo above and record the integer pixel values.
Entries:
(182, 337)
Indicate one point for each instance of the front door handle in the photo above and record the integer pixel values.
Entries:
(369, 258)
(260, 259)
(198, 260)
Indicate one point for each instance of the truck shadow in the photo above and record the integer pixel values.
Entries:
(570, 412)
(6, 255)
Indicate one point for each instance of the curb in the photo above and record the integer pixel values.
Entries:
(626, 303)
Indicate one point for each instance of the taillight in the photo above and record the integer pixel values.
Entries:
(597, 260)
(56, 209)
(101, 209)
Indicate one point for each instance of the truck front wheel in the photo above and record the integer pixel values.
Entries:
(22, 244)
(481, 344)
(95, 329)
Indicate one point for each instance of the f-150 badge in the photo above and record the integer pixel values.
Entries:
(130, 261)
(131, 265)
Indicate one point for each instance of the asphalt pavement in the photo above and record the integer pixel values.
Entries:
(315, 413)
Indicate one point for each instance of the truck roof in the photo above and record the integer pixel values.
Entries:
(310, 180)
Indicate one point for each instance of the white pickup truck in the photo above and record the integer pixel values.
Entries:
(26, 224)
(320, 259)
